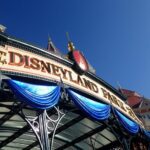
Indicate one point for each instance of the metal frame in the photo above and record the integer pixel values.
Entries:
(42, 122)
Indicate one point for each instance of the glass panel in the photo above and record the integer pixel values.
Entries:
(4, 109)
(28, 136)
(1, 115)
(5, 134)
(3, 138)
(85, 144)
(16, 118)
(16, 145)
(36, 148)
(58, 143)
(108, 134)
(18, 124)
(10, 148)
(23, 141)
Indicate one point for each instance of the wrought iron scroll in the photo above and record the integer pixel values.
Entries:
(44, 124)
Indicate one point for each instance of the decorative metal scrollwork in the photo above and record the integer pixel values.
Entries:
(44, 124)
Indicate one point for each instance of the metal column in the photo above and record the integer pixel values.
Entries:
(43, 131)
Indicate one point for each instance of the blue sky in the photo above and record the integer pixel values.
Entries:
(114, 35)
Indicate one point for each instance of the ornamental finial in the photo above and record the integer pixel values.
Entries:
(71, 47)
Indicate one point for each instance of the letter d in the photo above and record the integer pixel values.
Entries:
(16, 59)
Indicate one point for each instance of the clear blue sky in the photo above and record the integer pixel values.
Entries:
(114, 35)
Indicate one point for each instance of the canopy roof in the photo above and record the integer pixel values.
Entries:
(75, 131)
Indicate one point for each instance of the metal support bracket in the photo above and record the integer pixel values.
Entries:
(43, 124)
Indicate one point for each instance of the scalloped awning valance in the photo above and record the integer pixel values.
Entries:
(44, 97)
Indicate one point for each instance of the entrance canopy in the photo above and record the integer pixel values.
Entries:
(43, 99)
(86, 124)
(75, 131)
